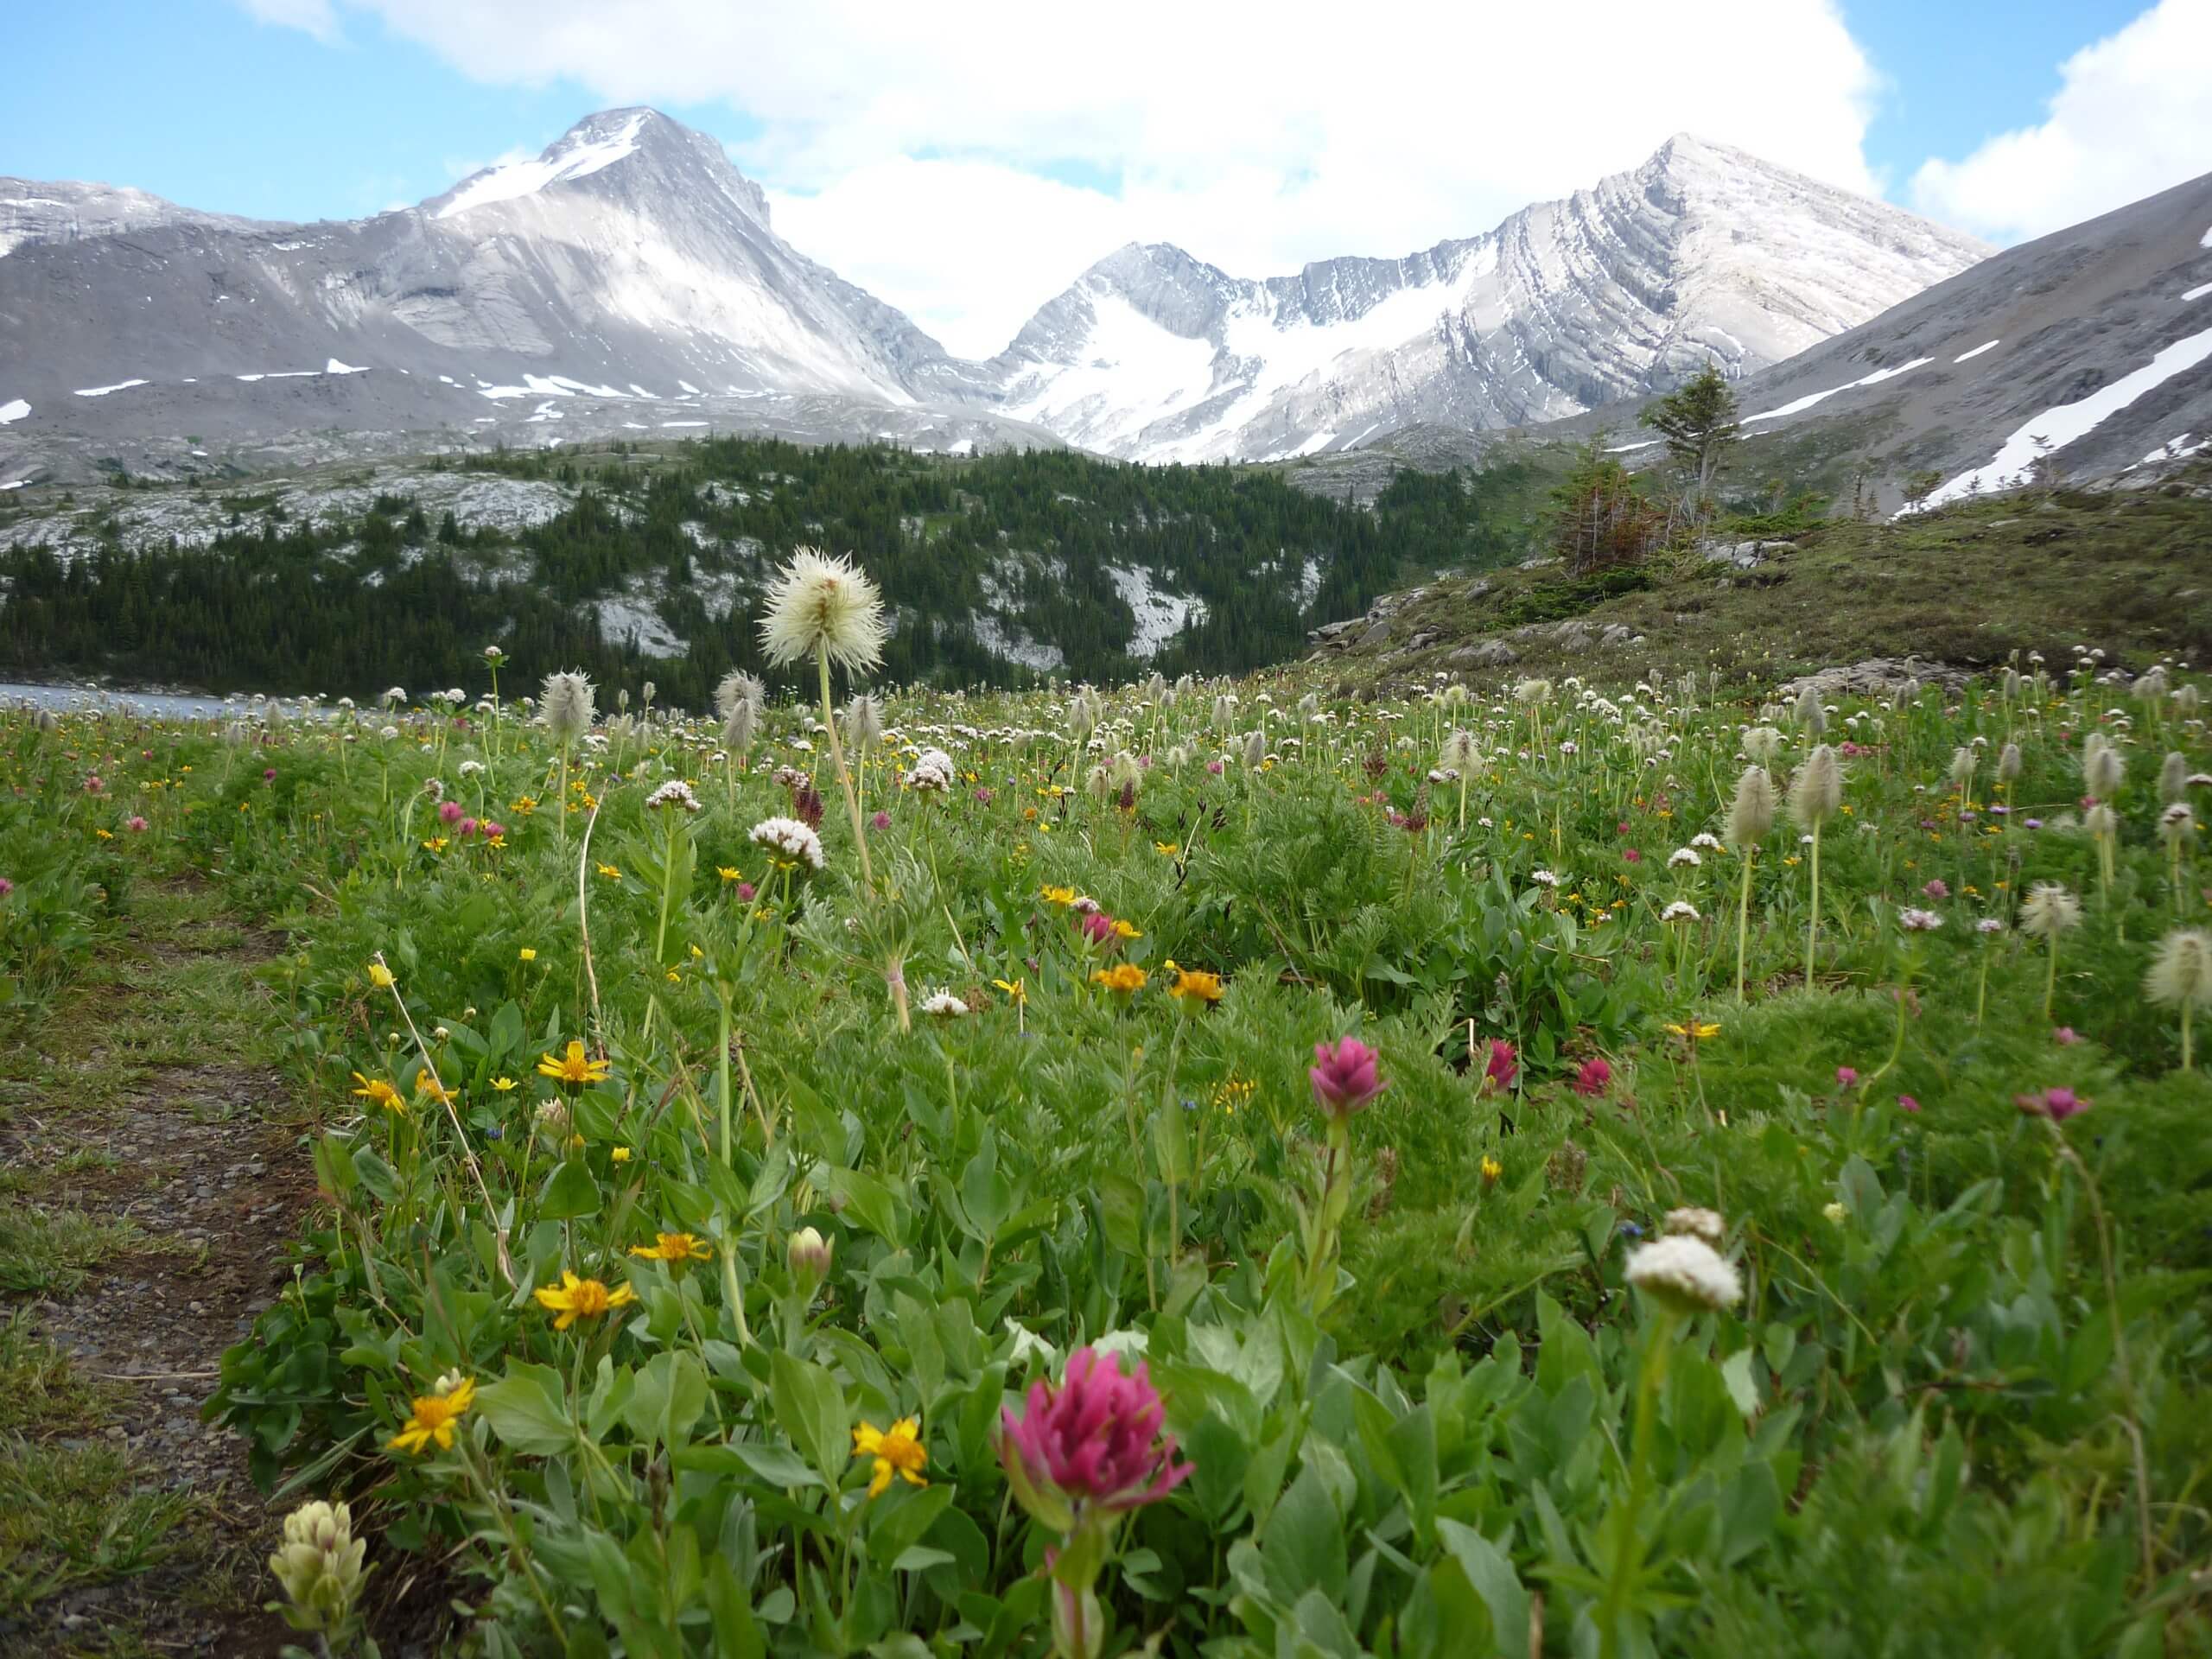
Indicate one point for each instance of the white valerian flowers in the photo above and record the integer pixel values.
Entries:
(824, 606)
(944, 1005)
(1683, 858)
(1680, 911)
(1706, 840)
(789, 840)
(1686, 1273)
(1541, 878)
(674, 792)
(1696, 1221)
(1915, 920)
(932, 774)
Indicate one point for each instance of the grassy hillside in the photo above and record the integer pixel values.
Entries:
(2130, 572)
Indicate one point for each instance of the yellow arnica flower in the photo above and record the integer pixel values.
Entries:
(1122, 930)
(527, 953)
(897, 1450)
(611, 872)
(582, 1298)
(1166, 849)
(1196, 984)
(379, 976)
(1057, 895)
(377, 1092)
(728, 873)
(434, 1418)
(675, 1247)
(1491, 1169)
(1124, 977)
(573, 1066)
(1695, 1032)
(505, 1085)
(1017, 989)
(620, 1154)
(427, 1083)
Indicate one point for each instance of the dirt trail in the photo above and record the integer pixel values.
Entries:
(151, 1175)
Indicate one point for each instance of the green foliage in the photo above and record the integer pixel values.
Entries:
(1968, 1368)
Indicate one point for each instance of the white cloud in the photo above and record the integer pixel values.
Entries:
(2132, 117)
(315, 17)
(905, 143)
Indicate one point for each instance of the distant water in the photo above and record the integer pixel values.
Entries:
(75, 699)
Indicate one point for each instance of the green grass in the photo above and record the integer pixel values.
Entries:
(1966, 586)
(46, 1252)
(73, 1515)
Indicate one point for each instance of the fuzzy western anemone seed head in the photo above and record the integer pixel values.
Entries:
(737, 688)
(1810, 712)
(863, 720)
(1460, 752)
(1817, 790)
(1751, 814)
(2008, 763)
(2049, 910)
(2103, 767)
(1963, 761)
(2173, 777)
(1686, 1273)
(818, 604)
(1762, 744)
(2181, 973)
(1093, 1440)
(565, 705)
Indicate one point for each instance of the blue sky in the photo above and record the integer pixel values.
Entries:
(874, 150)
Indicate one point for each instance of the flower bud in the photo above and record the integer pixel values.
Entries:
(319, 1565)
(808, 1257)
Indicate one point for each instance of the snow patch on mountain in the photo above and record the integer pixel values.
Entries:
(1800, 404)
(2057, 427)
(14, 409)
(1969, 357)
(102, 392)
(575, 157)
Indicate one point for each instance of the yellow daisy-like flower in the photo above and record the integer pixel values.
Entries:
(527, 953)
(611, 872)
(676, 1248)
(427, 1083)
(1695, 1030)
(1124, 978)
(1124, 930)
(433, 1420)
(620, 1154)
(1016, 988)
(573, 1066)
(380, 976)
(505, 1085)
(728, 873)
(897, 1450)
(1166, 849)
(377, 1092)
(1196, 984)
(1491, 1169)
(582, 1298)
(1057, 895)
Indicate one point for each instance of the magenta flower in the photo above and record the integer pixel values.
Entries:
(449, 811)
(1907, 1104)
(1594, 1078)
(1503, 1064)
(2066, 1036)
(1093, 1442)
(6, 887)
(1345, 1077)
(489, 828)
(1633, 856)
(1846, 1077)
(2056, 1104)
(137, 825)
(1097, 927)
(879, 822)
(269, 774)
(1935, 889)
(466, 827)
(92, 784)
(1214, 767)
(744, 892)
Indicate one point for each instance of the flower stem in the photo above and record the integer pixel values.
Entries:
(844, 773)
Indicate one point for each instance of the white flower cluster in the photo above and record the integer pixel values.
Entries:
(1680, 911)
(674, 792)
(932, 774)
(1685, 1272)
(1915, 920)
(944, 1005)
(789, 839)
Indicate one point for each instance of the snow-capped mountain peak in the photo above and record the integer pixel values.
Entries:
(1703, 251)
(586, 148)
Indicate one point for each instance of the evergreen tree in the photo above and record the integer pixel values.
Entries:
(1698, 420)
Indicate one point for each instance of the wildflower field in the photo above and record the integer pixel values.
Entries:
(1212, 1169)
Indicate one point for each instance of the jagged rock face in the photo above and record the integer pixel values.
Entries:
(1703, 251)
(33, 212)
(627, 280)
